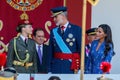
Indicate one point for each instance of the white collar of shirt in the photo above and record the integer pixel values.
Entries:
(66, 26)
(22, 37)
(41, 48)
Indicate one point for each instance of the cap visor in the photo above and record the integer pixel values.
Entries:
(55, 14)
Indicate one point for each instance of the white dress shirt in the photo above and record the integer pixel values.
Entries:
(23, 38)
(65, 26)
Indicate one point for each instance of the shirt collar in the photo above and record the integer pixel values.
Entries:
(66, 25)
(39, 45)
(23, 37)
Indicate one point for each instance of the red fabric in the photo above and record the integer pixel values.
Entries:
(39, 16)
(75, 57)
(2, 59)
(24, 22)
(10, 17)
(31, 78)
(62, 27)
(75, 13)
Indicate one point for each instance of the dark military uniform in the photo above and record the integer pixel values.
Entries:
(65, 45)
(21, 56)
(61, 62)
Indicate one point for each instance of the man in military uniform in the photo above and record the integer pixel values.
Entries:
(21, 50)
(91, 35)
(65, 44)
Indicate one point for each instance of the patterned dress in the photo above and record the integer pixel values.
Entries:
(96, 57)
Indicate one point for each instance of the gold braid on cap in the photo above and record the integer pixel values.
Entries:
(24, 16)
(92, 33)
(54, 14)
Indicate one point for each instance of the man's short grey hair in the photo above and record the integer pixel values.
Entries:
(65, 13)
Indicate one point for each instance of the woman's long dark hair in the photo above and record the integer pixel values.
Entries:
(108, 39)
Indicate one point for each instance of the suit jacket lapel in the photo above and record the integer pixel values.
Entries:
(44, 54)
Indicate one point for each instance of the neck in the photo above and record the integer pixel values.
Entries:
(24, 34)
(101, 40)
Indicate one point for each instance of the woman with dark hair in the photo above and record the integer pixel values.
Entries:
(102, 49)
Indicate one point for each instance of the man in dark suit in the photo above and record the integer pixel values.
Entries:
(21, 50)
(39, 38)
(65, 44)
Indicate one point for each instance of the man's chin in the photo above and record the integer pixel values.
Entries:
(57, 24)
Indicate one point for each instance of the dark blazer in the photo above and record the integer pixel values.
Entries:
(73, 33)
(43, 68)
(21, 50)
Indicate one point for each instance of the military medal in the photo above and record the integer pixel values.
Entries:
(67, 40)
(26, 51)
(73, 39)
(70, 35)
(71, 43)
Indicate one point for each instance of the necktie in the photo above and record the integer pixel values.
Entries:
(62, 29)
(26, 39)
(40, 54)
